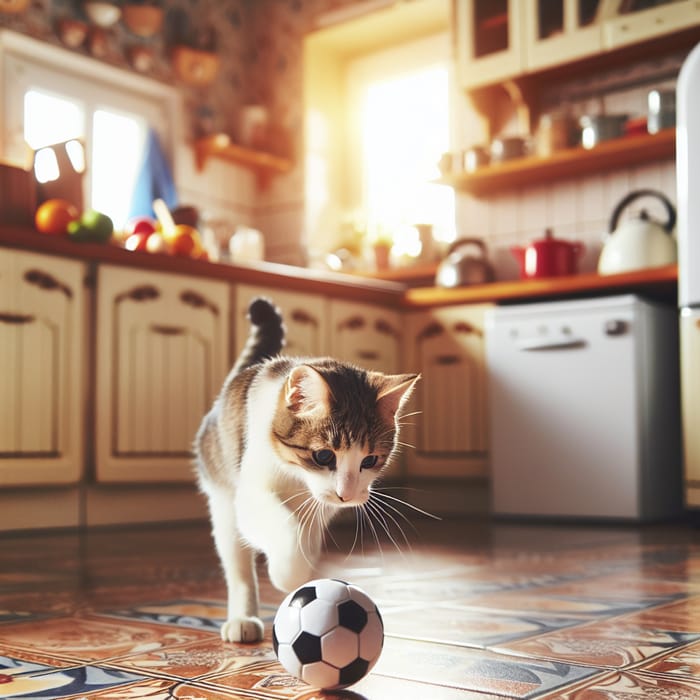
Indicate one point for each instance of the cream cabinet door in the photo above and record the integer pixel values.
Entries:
(304, 318)
(450, 431)
(366, 335)
(43, 365)
(690, 396)
(488, 40)
(642, 25)
(162, 354)
(563, 31)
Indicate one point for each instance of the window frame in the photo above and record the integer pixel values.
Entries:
(26, 62)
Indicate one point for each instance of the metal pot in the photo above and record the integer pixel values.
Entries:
(548, 257)
(462, 266)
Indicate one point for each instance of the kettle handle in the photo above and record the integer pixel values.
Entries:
(467, 241)
(670, 210)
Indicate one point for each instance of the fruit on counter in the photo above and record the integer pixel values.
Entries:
(93, 227)
(137, 241)
(155, 243)
(54, 215)
(140, 224)
(185, 241)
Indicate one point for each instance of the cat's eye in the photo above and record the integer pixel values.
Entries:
(369, 461)
(324, 458)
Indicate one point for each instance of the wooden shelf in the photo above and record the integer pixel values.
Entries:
(265, 165)
(572, 162)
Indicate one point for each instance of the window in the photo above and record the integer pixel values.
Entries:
(52, 96)
(400, 110)
(377, 98)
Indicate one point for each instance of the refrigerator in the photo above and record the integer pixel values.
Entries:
(688, 188)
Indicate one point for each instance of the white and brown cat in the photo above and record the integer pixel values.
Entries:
(288, 443)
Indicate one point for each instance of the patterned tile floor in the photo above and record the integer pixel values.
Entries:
(473, 610)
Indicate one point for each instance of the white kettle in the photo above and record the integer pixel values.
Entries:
(640, 242)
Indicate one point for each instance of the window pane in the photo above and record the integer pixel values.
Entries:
(50, 119)
(405, 129)
(117, 151)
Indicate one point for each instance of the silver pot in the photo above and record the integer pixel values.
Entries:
(602, 127)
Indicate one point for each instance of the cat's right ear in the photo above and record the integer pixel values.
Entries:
(306, 392)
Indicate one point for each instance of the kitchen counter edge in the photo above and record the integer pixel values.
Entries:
(658, 283)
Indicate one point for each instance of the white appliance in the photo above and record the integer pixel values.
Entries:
(688, 186)
(584, 409)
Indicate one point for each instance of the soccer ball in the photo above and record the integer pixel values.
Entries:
(328, 633)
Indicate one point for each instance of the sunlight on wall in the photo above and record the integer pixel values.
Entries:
(405, 128)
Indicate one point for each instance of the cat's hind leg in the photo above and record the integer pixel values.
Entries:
(238, 563)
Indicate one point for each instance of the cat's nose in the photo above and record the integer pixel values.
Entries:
(341, 497)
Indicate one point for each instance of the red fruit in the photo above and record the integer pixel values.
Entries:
(141, 224)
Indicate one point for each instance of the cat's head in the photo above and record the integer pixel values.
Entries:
(336, 427)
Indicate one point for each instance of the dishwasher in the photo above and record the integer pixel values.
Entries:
(584, 409)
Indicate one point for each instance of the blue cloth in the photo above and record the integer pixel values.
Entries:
(155, 180)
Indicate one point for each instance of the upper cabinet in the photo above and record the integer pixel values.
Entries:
(635, 26)
(43, 359)
(500, 40)
(559, 31)
(489, 40)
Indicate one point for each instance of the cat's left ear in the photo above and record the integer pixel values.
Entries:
(394, 391)
(306, 392)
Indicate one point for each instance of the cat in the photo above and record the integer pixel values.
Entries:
(288, 443)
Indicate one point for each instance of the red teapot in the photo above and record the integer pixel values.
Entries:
(548, 257)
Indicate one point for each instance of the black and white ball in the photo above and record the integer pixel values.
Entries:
(328, 633)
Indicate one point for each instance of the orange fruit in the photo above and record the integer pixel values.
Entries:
(54, 215)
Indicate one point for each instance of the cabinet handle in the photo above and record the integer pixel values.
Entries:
(432, 330)
(44, 280)
(197, 301)
(352, 324)
(16, 319)
(301, 316)
(367, 355)
(167, 330)
(466, 328)
(448, 360)
(382, 326)
(146, 292)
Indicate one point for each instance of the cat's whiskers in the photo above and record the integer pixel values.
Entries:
(375, 508)
(405, 503)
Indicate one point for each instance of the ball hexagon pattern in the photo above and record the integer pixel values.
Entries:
(328, 633)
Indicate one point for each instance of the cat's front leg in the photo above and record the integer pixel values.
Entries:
(238, 563)
(291, 548)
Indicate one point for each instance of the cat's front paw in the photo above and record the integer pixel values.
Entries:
(242, 629)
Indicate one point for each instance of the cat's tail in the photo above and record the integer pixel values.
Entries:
(266, 337)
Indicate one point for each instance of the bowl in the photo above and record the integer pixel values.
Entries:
(103, 14)
(143, 20)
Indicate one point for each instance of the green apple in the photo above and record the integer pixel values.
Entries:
(93, 226)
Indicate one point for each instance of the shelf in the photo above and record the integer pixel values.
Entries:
(572, 162)
(265, 165)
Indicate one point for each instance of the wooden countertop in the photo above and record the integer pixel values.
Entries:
(655, 283)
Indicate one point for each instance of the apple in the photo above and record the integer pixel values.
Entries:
(141, 224)
(186, 242)
(92, 227)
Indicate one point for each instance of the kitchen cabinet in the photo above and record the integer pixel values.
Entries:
(162, 354)
(366, 335)
(560, 31)
(488, 40)
(450, 434)
(690, 391)
(304, 319)
(43, 358)
(635, 26)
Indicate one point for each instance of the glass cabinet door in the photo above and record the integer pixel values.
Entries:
(560, 31)
(488, 40)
